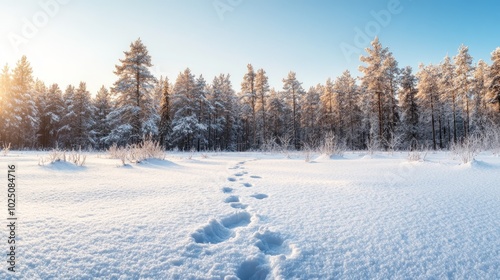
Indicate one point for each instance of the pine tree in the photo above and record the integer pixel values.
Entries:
(479, 117)
(5, 98)
(494, 88)
(428, 97)
(311, 115)
(375, 81)
(165, 127)
(23, 114)
(135, 114)
(276, 112)
(80, 119)
(103, 107)
(347, 109)
(463, 75)
(293, 92)
(409, 108)
(50, 109)
(249, 98)
(448, 97)
(68, 118)
(188, 107)
(327, 106)
(223, 102)
(261, 91)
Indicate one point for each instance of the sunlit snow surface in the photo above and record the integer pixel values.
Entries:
(257, 216)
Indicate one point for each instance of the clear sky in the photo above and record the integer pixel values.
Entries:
(68, 41)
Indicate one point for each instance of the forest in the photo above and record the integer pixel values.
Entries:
(387, 108)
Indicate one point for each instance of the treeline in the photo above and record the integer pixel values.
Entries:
(388, 107)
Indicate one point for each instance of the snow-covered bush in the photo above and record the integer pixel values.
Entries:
(5, 149)
(468, 149)
(77, 157)
(137, 152)
(56, 156)
(307, 151)
(330, 146)
(417, 155)
(491, 139)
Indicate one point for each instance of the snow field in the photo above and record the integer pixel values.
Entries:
(259, 216)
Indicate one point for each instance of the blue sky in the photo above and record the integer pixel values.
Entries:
(78, 40)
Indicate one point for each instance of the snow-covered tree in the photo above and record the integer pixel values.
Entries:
(409, 109)
(448, 115)
(276, 112)
(165, 127)
(81, 118)
(134, 116)
(103, 107)
(223, 101)
(347, 110)
(22, 120)
(463, 77)
(189, 107)
(375, 80)
(249, 99)
(5, 94)
(293, 92)
(262, 92)
(50, 109)
(479, 89)
(494, 88)
(328, 107)
(428, 98)
(311, 115)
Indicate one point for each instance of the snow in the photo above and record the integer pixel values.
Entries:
(258, 216)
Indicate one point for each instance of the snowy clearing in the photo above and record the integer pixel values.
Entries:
(257, 216)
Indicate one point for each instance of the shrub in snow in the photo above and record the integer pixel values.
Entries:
(5, 149)
(137, 152)
(417, 155)
(468, 149)
(330, 146)
(77, 157)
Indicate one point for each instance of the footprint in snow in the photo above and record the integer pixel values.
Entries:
(232, 198)
(259, 196)
(255, 177)
(271, 243)
(231, 179)
(227, 190)
(219, 231)
(238, 205)
(239, 174)
(247, 185)
(255, 268)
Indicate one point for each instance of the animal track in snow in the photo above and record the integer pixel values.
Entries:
(255, 177)
(216, 232)
(259, 196)
(239, 174)
(231, 179)
(247, 185)
(232, 198)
